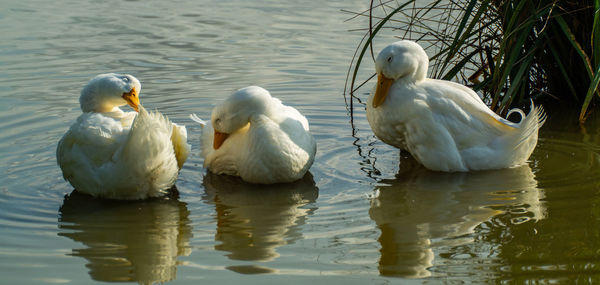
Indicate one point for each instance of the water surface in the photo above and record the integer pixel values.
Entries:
(365, 214)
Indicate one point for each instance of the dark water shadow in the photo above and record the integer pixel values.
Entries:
(422, 210)
(253, 220)
(127, 241)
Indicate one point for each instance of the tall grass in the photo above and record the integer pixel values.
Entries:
(507, 50)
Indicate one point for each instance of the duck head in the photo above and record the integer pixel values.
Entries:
(106, 91)
(401, 60)
(235, 112)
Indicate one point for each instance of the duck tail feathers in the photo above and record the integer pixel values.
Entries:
(180, 146)
(197, 119)
(529, 125)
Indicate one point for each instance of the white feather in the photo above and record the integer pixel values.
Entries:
(197, 119)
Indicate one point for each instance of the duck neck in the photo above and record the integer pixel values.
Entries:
(99, 104)
(115, 112)
(406, 80)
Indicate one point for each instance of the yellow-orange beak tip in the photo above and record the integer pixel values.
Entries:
(219, 139)
(383, 88)
(132, 99)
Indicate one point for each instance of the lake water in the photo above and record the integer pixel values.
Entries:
(366, 214)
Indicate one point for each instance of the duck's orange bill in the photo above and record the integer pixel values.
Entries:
(132, 99)
(218, 139)
(383, 87)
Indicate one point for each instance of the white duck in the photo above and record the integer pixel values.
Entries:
(444, 125)
(120, 155)
(256, 137)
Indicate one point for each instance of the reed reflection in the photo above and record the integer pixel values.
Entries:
(421, 207)
(127, 241)
(254, 220)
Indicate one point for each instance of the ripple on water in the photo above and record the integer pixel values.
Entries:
(565, 163)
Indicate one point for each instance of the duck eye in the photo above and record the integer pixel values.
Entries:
(126, 79)
(389, 59)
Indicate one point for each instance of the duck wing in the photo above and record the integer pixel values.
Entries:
(90, 144)
(180, 146)
(482, 138)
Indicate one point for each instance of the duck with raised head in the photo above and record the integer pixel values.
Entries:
(254, 136)
(444, 125)
(110, 153)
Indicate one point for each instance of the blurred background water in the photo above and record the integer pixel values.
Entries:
(366, 213)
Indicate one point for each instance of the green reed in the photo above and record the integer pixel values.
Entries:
(510, 51)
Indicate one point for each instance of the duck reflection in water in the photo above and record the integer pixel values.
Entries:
(422, 209)
(254, 220)
(127, 241)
